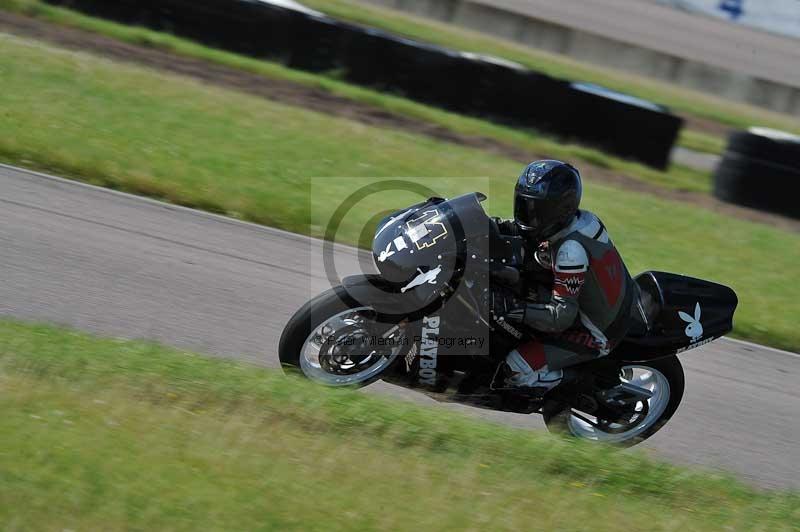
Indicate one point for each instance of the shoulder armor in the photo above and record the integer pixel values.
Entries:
(593, 228)
(571, 258)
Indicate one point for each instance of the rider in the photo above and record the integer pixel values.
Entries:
(588, 311)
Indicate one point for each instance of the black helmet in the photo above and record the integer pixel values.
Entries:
(546, 198)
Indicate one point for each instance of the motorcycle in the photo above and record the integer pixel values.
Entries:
(425, 322)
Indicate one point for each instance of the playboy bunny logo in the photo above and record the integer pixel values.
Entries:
(386, 253)
(694, 330)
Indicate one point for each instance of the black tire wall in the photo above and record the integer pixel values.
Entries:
(761, 170)
(464, 83)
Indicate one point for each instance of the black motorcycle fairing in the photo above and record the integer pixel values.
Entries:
(425, 247)
(374, 291)
(449, 332)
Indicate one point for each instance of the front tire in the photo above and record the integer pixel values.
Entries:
(332, 340)
(663, 377)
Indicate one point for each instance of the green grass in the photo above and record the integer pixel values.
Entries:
(534, 143)
(702, 142)
(148, 133)
(682, 100)
(101, 434)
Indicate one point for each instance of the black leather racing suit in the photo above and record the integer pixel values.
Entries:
(589, 307)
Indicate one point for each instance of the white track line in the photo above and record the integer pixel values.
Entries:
(274, 230)
(173, 206)
(759, 346)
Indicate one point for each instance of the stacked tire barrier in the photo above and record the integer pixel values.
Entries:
(462, 82)
(761, 169)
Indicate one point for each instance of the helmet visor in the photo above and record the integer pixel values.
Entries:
(525, 212)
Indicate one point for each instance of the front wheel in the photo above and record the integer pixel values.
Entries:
(663, 379)
(335, 341)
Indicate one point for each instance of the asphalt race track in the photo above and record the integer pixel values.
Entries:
(124, 266)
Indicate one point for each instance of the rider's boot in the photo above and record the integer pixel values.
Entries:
(529, 369)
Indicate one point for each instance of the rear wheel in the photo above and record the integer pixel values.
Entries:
(335, 341)
(662, 380)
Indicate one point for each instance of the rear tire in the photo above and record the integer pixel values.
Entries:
(559, 417)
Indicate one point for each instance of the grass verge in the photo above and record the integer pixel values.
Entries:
(148, 133)
(677, 177)
(104, 434)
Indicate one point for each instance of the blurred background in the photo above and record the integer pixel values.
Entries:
(682, 116)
